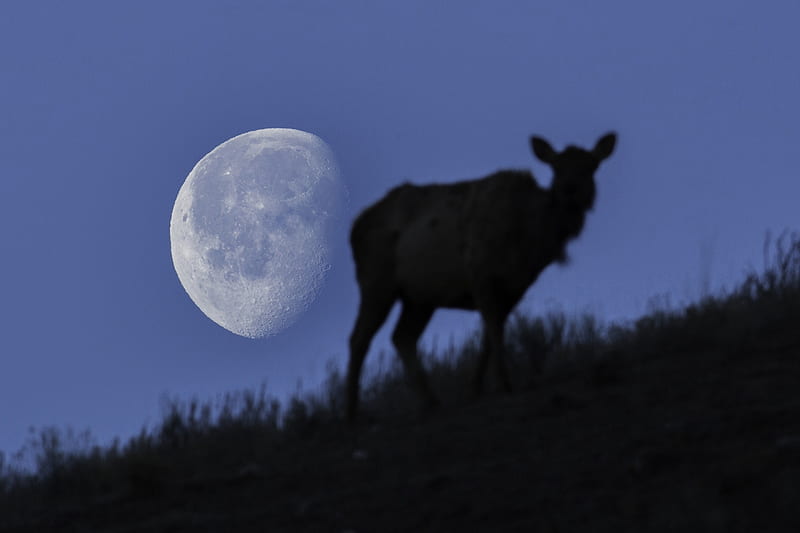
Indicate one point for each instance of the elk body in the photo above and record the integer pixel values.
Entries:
(475, 245)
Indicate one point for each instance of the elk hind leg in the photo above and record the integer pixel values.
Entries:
(410, 326)
(372, 312)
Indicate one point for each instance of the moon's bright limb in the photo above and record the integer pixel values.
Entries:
(249, 228)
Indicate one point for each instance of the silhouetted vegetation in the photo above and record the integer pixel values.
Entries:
(201, 449)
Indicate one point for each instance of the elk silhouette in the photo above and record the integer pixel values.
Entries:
(475, 245)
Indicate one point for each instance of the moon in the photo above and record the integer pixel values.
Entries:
(250, 229)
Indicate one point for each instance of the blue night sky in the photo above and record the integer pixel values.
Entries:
(105, 108)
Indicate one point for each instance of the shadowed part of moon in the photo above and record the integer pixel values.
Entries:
(249, 229)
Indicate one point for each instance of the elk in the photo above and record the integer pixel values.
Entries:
(475, 245)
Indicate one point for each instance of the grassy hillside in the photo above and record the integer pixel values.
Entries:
(687, 420)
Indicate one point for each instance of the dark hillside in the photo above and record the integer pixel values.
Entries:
(686, 421)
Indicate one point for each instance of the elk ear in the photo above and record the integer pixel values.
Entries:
(605, 146)
(542, 149)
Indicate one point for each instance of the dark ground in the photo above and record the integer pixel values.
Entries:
(669, 442)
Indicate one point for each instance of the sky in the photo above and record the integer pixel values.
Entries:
(105, 107)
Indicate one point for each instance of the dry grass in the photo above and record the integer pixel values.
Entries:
(206, 445)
